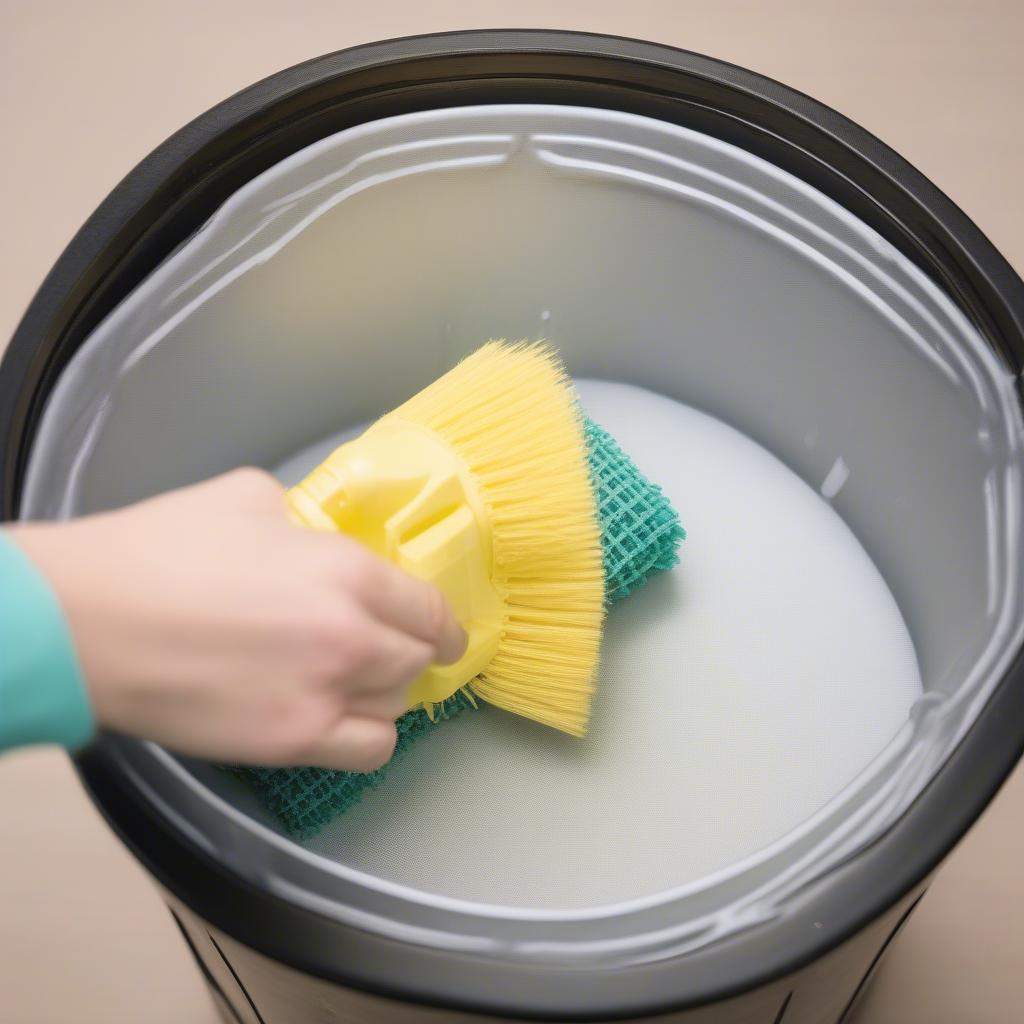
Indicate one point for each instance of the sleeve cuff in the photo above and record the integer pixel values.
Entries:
(43, 697)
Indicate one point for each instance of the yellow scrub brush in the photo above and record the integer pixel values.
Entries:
(481, 485)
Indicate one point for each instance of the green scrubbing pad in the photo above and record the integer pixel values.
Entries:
(640, 535)
(640, 531)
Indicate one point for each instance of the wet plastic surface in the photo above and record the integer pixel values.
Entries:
(351, 274)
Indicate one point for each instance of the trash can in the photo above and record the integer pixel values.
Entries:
(810, 347)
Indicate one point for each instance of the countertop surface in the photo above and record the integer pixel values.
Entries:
(86, 90)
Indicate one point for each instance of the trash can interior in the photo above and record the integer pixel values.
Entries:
(842, 445)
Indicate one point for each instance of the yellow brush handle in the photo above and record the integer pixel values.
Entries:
(403, 493)
(304, 509)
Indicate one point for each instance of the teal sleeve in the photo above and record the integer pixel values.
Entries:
(43, 698)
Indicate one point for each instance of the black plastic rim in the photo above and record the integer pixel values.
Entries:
(174, 190)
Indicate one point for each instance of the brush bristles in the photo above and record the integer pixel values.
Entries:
(510, 413)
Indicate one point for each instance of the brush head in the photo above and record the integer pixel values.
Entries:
(509, 414)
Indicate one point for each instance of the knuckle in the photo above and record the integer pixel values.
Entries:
(354, 654)
(326, 627)
(436, 612)
(252, 478)
(341, 645)
(358, 570)
(253, 484)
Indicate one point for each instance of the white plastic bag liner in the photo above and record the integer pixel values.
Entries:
(841, 443)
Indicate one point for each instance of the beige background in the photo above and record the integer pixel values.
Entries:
(87, 89)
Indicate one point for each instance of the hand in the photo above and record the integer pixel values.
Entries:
(205, 620)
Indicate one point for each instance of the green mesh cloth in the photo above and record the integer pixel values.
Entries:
(640, 535)
(640, 531)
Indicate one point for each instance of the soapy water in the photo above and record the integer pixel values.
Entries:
(738, 695)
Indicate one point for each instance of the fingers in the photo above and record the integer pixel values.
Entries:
(378, 660)
(389, 705)
(401, 601)
(415, 608)
(355, 745)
